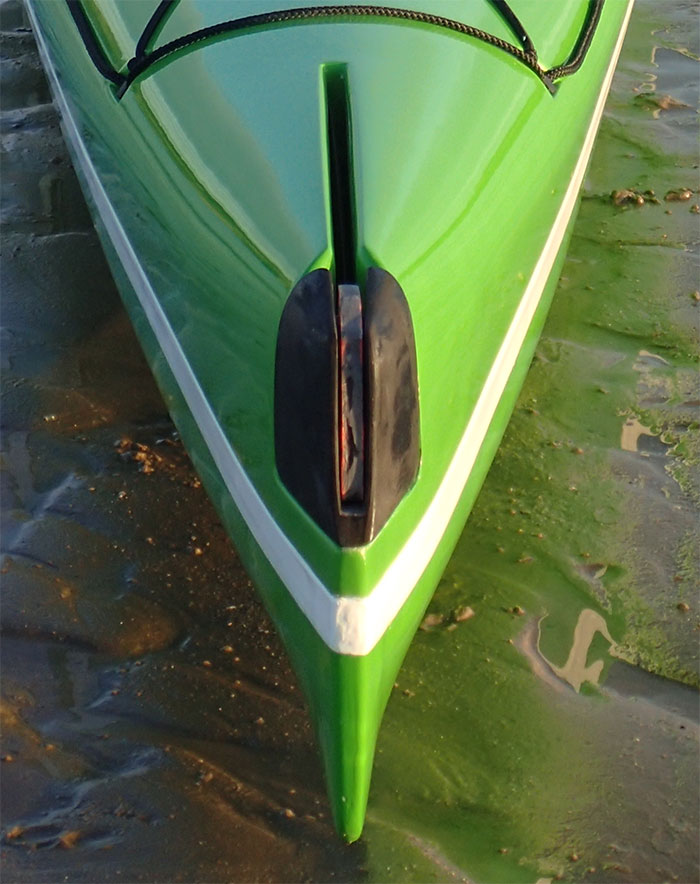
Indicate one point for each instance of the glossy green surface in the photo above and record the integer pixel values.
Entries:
(244, 231)
(216, 165)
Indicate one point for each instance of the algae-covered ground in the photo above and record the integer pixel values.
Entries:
(544, 725)
(555, 731)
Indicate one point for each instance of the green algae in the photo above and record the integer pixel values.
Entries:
(583, 542)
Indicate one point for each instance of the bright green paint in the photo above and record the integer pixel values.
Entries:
(244, 214)
(263, 219)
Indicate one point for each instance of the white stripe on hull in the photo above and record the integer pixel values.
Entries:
(347, 624)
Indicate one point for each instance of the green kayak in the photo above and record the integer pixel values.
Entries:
(337, 230)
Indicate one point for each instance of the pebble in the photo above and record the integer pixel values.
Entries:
(430, 621)
(678, 196)
(626, 197)
(69, 839)
(665, 102)
(464, 612)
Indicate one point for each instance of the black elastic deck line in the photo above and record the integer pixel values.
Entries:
(313, 13)
(152, 29)
(515, 25)
(580, 50)
(92, 45)
(144, 59)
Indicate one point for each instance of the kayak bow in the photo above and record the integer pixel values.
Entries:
(337, 231)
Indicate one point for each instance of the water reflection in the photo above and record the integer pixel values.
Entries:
(646, 361)
(576, 670)
(632, 429)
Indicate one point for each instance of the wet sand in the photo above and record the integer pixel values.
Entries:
(152, 728)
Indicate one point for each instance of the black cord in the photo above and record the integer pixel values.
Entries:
(515, 25)
(92, 45)
(144, 59)
(575, 60)
(155, 23)
(312, 13)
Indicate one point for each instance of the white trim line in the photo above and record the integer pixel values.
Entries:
(347, 624)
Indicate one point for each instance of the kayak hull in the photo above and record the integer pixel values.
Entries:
(347, 639)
